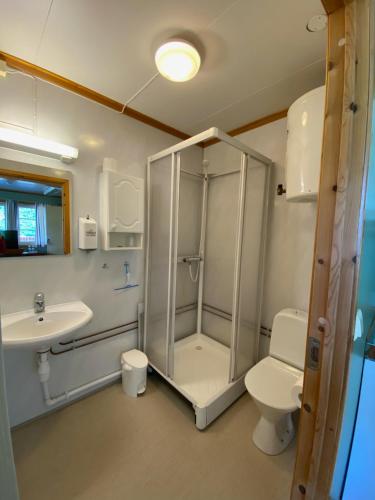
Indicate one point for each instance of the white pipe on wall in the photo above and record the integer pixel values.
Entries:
(44, 374)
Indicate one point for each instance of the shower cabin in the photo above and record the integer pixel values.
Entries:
(206, 233)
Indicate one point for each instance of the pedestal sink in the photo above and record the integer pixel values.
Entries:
(38, 331)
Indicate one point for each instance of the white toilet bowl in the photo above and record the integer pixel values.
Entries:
(270, 382)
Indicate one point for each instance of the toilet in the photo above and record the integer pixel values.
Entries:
(134, 372)
(271, 380)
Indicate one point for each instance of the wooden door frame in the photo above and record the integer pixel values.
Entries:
(349, 86)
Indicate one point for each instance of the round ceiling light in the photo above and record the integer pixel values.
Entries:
(177, 60)
(317, 23)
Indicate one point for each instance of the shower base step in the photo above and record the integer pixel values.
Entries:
(201, 372)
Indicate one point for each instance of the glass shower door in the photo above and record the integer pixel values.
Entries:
(160, 272)
(250, 255)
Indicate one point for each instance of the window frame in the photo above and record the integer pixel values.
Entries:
(4, 203)
(25, 205)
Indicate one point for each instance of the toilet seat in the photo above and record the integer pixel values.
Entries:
(271, 381)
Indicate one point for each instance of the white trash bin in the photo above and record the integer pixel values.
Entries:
(134, 372)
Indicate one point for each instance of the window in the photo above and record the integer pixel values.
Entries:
(3, 221)
(26, 224)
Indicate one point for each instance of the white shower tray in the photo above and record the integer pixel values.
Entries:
(201, 371)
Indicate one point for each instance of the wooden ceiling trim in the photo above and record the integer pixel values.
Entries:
(54, 78)
(148, 120)
(259, 123)
(251, 125)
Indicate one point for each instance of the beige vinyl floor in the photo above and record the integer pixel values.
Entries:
(111, 447)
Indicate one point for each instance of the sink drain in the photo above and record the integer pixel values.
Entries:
(198, 347)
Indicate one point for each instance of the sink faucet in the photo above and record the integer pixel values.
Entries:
(39, 304)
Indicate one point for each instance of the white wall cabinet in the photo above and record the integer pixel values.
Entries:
(122, 209)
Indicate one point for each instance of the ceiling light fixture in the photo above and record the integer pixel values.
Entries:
(317, 23)
(177, 60)
(27, 142)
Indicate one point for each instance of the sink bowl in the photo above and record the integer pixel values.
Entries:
(38, 331)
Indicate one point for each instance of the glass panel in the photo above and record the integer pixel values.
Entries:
(160, 194)
(222, 216)
(189, 226)
(251, 266)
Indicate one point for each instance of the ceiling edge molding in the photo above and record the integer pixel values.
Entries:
(251, 125)
(331, 5)
(54, 78)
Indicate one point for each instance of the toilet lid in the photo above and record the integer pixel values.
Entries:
(271, 381)
(135, 358)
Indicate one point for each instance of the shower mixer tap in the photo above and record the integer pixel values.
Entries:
(187, 259)
(192, 258)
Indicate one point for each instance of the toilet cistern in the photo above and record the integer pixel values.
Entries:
(39, 302)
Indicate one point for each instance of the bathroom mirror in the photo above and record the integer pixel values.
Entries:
(34, 214)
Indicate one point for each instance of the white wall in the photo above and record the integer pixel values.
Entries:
(291, 233)
(97, 132)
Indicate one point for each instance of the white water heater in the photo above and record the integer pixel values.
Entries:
(304, 146)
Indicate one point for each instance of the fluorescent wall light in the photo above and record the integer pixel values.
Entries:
(27, 142)
(177, 60)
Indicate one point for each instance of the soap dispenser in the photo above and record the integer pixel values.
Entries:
(87, 233)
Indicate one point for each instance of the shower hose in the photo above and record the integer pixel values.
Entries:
(194, 278)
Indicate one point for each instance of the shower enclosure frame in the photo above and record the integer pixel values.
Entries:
(235, 387)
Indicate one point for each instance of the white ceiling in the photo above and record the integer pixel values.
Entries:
(257, 55)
